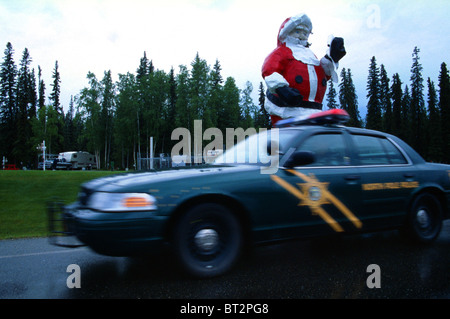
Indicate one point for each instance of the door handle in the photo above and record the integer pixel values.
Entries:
(352, 177)
(408, 175)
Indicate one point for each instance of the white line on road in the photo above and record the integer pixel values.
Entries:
(41, 253)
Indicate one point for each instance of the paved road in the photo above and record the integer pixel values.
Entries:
(323, 268)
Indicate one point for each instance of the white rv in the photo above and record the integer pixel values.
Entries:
(79, 160)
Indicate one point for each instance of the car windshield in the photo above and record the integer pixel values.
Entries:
(254, 149)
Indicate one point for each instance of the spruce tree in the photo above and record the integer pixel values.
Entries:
(183, 116)
(145, 67)
(8, 74)
(69, 129)
(373, 118)
(26, 87)
(406, 132)
(397, 95)
(262, 119)
(56, 90)
(385, 99)
(215, 103)
(343, 90)
(434, 138)
(170, 124)
(26, 109)
(331, 96)
(348, 98)
(198, 95)
(41, 89)
(418, 116)
(8, 109)
(32, 95)
(54, 97)
(143, 79)
(444, 106)
(156, 113)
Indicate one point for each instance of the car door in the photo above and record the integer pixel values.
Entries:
(321, 197)
(387, 179)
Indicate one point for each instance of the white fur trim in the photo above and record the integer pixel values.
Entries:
(302, 53)
(287, 112)
(275, 81)
(313, 83)
(329, 67)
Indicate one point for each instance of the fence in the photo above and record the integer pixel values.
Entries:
(162, 162)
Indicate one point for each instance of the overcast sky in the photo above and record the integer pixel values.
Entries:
(101, 35)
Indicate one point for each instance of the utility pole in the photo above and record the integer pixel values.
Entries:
(151, 152)
(42, 148)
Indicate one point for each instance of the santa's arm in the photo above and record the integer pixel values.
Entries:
(275, 81)
(330, 62)
(272, 69)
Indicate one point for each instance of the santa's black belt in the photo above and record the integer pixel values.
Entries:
(306, 104)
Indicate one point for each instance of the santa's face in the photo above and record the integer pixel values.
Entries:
(301, 32)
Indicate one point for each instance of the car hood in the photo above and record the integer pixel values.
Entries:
(131, 182)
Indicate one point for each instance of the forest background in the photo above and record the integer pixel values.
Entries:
(115, 120)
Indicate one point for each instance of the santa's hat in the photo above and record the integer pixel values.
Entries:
(293, 23)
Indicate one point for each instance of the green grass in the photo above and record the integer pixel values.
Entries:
(24, 195)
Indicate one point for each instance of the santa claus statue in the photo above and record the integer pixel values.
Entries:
(295, 78)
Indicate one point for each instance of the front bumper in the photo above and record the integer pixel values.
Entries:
(114, 234)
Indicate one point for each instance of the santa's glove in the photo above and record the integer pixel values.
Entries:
(337, 49)
(289, 96)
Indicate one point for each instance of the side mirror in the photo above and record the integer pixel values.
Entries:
(300, 158)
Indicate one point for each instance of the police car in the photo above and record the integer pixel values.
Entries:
(327, 179)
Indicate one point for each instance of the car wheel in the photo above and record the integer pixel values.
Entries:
(207, 240)
(425, 219)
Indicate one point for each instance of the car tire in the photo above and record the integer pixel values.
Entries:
(207, 240)
(424, 221)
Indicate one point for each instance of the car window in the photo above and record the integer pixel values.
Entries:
(374, 150)
(254, 148)
(329, 149)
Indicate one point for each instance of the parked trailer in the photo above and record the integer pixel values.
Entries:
(79, 160)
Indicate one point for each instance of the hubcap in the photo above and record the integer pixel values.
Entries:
(206, 239)
(423, 218)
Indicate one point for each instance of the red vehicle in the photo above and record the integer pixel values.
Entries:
(10, 167)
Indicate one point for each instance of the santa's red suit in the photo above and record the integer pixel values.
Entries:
(293, 65)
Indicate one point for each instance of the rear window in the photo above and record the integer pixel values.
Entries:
(373, 150)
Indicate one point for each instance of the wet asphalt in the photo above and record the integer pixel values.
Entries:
(326, 268)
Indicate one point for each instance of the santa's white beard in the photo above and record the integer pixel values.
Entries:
(292, 41)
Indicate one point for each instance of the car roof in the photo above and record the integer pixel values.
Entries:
(334, 127)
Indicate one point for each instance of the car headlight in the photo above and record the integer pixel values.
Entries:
(121, 202)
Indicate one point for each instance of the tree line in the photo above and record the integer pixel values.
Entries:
(115, 120)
